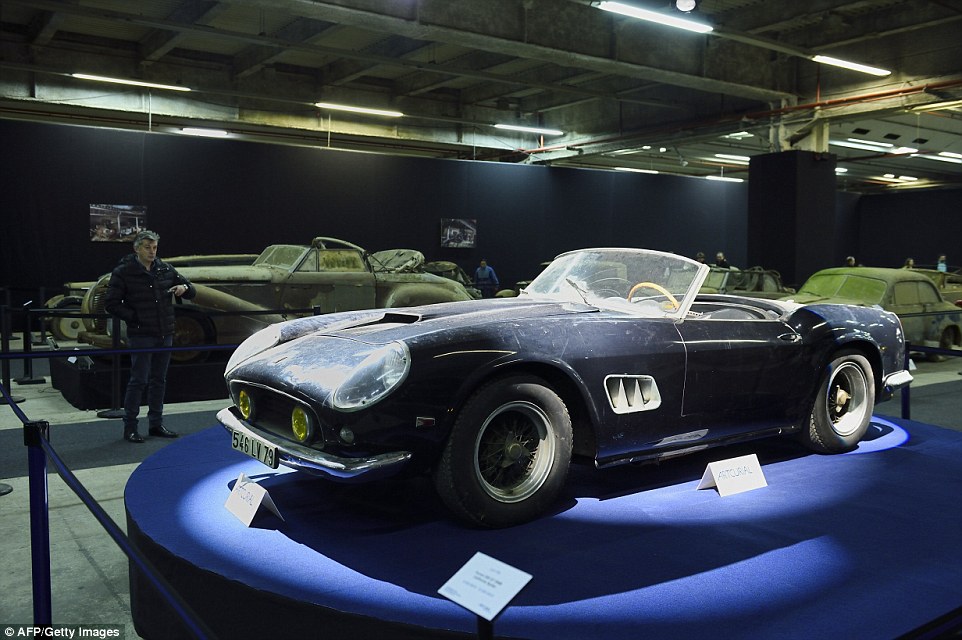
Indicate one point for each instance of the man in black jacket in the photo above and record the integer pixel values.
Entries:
(140, 292)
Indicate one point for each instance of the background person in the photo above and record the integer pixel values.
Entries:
(940, 264)
(141, 292)
(720, 261)
(486, 279)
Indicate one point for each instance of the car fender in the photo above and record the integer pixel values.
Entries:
(403, 290)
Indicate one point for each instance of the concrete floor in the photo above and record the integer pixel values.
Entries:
(89, 572)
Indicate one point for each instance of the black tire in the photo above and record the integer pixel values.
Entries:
(946, 341)
(191, 328)
(507, 456)
(843, 405)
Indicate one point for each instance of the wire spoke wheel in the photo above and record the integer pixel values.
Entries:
(514, 452)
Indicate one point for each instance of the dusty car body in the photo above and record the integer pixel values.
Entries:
(927, 318)
(448, 269)
(755, 282)
(609, 356)
(67, 327)
(284, 281)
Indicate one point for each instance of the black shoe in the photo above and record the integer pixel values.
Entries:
(133, 436)
(161, 432)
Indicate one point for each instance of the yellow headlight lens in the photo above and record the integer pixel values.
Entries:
(246, 405)
(300, 424)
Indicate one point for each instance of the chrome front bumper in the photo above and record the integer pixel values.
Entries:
(893, 382)
(319, 463)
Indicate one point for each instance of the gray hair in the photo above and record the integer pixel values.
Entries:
(145, 235)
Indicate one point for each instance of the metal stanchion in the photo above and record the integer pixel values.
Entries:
(39, 521)
(5, 346)
(115, 410)
(28, 377)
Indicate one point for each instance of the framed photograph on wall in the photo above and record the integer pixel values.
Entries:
(116, 222)
(459, 233)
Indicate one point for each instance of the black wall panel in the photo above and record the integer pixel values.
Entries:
(918, 225)
(217, 196)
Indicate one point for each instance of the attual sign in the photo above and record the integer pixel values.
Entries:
(734, 475)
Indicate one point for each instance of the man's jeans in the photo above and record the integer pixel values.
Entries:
(146, 370)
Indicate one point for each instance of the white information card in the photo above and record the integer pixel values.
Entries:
(484, 585)
(246, 497)
(733, 475)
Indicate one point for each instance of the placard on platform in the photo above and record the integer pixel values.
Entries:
(246, 498)
(734, 475)
(484, 585)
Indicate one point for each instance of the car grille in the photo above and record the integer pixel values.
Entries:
(272, 412)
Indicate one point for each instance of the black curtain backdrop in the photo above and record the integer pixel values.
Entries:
(220, 196)
(217, 196)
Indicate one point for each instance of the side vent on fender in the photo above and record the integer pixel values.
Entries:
(628, 394)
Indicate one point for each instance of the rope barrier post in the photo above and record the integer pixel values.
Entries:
(28, 377)
(905, 393)
(115, 410)
(33, 433)
(4, 350)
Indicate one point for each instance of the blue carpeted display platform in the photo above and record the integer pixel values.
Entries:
(862, 545)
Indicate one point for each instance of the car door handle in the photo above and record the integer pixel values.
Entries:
(790, 337)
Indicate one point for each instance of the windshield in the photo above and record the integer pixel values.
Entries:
(843, 285)
(640, 281)
(283, 256)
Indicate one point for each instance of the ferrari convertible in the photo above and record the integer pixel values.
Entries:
(609, 356)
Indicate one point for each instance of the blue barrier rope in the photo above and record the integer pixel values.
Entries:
(39, 450)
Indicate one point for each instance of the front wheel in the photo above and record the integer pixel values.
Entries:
(843, 405)
(508, 454)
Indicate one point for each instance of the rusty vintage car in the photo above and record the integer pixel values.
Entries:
(755, 282)
(927, 318)
(67, 326)
(285, 281)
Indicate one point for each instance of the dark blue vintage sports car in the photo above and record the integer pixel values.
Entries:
(610, 355)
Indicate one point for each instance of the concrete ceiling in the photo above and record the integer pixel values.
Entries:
(625, 93)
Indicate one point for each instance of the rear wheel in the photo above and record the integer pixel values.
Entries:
(843, 405)
(508, 454)
(191, 328)
(946, 341)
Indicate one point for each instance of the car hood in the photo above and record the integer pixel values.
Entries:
(318, 352)
(229, 274)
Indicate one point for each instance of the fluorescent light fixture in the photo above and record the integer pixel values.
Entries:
(872, 142)
(854, 66)
(724, 179)
(739, 135)
(841, 170)
(133, 83)
(371, 112)
(733, 158)
(865, 146)
(204, 133)
(546, 132)
(944, 156)
(633, 170)
(938, 106)
(653, 16)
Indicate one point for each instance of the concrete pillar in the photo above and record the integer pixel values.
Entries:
(791, 213)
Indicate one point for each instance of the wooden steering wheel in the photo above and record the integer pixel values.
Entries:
(657, 287)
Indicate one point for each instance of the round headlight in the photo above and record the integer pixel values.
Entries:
(245, 404)
(383, 369)
(301, 424)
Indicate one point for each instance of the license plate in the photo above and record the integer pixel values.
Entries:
(256, 449)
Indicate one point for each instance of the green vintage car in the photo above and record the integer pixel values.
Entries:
(290, 280)
(927, 319)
